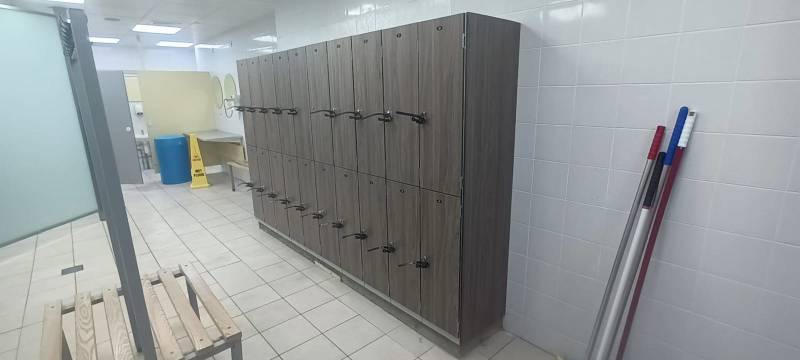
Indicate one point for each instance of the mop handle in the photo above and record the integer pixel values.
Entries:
(676, 135)
(687, 129)
(656, 144)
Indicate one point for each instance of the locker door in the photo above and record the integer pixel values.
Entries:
(400, 89)
(326, 203)
(292, 181)
(340, 65)
(279, 188)
(441, 216)
(298, 74)
(244, 100)
(272, 124)
(256, 100)
(308, 199)
(265, 175)
(403, 229)
(375, 253)
(253, 159)
(283, 93)
(350, 235)
(368, 84)
(441, 74)
(320, 100)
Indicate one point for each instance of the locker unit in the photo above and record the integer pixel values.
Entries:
(389, 159)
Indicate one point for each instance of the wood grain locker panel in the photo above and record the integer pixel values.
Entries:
(283, 91)
(253, 158)
(269, 96)
(441, 93)
(372, 208)
(326, 203)
(244, 100)
(279, 187)
(368, 93)
(265, 174)
(340, 65)
(347, 213)
(400, 93)
(298, 72)
(441, 245)
(320, 99)
(308, 199)
(292, 179)
(403, 225)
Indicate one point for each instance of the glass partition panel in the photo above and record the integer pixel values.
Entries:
(45, 178)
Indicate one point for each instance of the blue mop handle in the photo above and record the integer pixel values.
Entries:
(676, 135)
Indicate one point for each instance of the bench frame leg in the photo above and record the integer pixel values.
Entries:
(236, 350)
(192, 299)
(65, 354)
(233, 179)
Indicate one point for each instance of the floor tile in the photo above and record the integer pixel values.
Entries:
(291, 284)
(308, 299)
(245, 326)
(255, 297)
(385, 349)
(276, 271)
(253, 348)
(317, 273)
(290, 334)
(410, 340)
(438, 354)
(329, 315)
(318, 348)
(353, 334)
(271, 314)
(335, 286)
(521, 350)
(236, 277)
(493, 344)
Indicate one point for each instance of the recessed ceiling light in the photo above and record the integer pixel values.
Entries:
(174, 44)
(266, 38)
(103, 40)
(265, 49)
(68, 1)
(156, 29)
(210, 46)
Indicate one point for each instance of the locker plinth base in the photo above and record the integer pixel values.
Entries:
(439, 337)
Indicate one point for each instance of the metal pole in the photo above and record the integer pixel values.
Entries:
(655, 145)
(91, 113)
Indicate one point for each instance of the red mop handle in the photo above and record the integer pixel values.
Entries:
(656, 144)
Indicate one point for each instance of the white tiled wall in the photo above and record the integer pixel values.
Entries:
(596, 76)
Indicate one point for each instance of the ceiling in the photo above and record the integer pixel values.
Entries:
(201, 20)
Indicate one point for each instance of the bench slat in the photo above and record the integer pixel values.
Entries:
(117, 327)
(191, 322)
(158, 321)
(215, 310)
(51, 332)
(85, 344)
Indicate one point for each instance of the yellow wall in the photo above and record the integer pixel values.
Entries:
(132, 87)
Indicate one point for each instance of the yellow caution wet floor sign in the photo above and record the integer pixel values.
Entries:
(199, 179)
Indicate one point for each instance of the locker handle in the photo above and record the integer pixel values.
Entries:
(382, 116)
(422, 263)
(245, 183)
(420, 118)
(264, 110)
(384, 248)
(327, 113)
(355, 115)
(291, 111)
(276, 110)
(284, 201)
(256, 188)
(335, 224)
(239, 108)
(300, 207)
(315, 214)
(250, 109)
(359, 235)
(270, 195)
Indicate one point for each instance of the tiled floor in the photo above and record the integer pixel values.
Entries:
(287, 307)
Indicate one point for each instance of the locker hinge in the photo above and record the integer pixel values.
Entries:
(464, 40)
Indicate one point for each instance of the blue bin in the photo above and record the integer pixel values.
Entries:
(173, 158)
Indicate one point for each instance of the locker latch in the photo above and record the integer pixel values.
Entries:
(417, 118)
(384, 248)
(275, 110)
(300, 207)
(359, 235)
(284, 201)
(256, 189)
(238, 108)
(245, 183)
(355, 115)
(264, 110)
(291, 111)
(270, 195)
(250, 109)
(422, 263)
(334, 224)
(319, 214)
(327, 113)
(382, 116)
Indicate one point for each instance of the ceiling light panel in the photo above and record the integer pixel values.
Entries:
(68, 1)
(103, 40)
(266, 38)
(177, 44)
(156, 29)
(210, 46)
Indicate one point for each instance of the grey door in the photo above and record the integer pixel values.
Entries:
(400, 90)
(308, 199)
(279, 188)
(120, 125)
(441, 76)
(244, 100)
(347, 212)
(320, 100)
(265, 175)
(283, 91)
(292, 181)
(441, 216)
(340, 65)
(257, 101)
(298, 73)
(326, 203)
(404, 230)
(375, 250)
(253, 161)
(271, 120)
(368, 91)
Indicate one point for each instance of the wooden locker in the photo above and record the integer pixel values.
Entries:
(320, 102)
(340, 65)
(244, 100)
(292, 179)
(441, 90)
(253, 158)
(257, 101)
(403, 226)
(298, 73)
(279, 187)
(329, 222)
(400, 94)
(272, 120)
(350, 235)
(308, 200)
(283, 91)
(440, 246)
(368, 92)
(265, 174)
(375, 248)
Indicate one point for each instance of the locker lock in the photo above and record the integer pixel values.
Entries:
(275, 110)
(238, 108)
(291, 111)
(338, 224)
(355, 115)
(384, 248)
(263, 110)
(422, 263)
(319, 214)
(256, 189)
(245, 183)
(284, 201)
(250, 109)
(300, 207)
(327, 113)
(417, 118)
(270, 195)
(382, 116)
(359, 235)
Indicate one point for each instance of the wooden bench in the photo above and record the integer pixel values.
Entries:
(241, 165)
(204, 344)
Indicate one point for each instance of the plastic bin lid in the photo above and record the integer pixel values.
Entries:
(170, 137)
